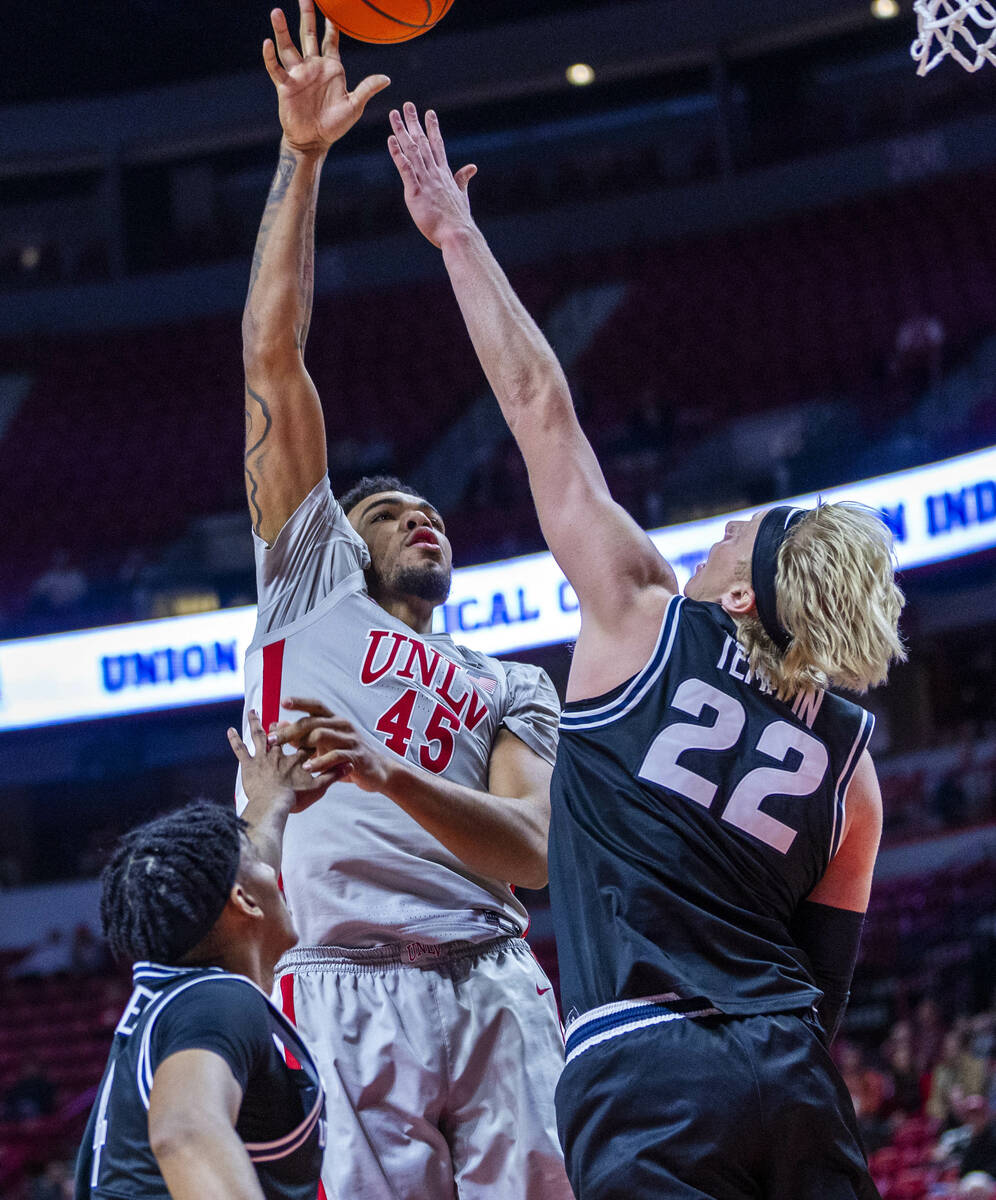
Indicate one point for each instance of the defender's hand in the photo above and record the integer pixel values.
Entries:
(335, 746)
(315, 106)
(269, 775)
(436, 197)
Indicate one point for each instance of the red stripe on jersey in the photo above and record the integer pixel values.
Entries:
(273, 670)
(273, 667)
(287, 1005)
(321, 1191)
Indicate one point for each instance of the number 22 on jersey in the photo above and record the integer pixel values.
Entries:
(777, 738)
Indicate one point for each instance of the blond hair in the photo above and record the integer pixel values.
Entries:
(837, 596)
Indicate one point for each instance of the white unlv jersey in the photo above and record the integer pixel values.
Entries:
(357, 870)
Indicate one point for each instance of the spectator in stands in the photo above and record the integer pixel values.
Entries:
(904, 1098)
(868, 1089)
(980, 1151)
(31, 1095)
(982, 1035)
(917, 362)
(55, 1182)
(958, 1074)
(977, 1185)
(928, 1033)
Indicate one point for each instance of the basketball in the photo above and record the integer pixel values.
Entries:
(385, 20)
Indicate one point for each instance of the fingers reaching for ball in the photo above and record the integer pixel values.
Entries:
(435, 196)
(287, 53)
(308, 29)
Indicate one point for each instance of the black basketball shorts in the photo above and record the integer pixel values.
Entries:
(729, 1108)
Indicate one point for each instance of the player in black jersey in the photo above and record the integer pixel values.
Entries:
(208, 1090)
(716, 815)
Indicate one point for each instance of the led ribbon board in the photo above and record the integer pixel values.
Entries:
(936, 512)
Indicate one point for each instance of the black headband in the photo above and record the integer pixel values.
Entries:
(772, 531)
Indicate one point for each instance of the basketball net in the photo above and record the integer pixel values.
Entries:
(963, 29)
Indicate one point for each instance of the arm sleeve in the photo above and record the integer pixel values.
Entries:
(533, 709)
(315, 550)
(225, 1016)
(830, 937)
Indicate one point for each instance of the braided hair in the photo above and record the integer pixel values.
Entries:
(168, 881)
(370, 485)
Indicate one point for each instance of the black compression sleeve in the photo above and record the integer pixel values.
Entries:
(830, 938)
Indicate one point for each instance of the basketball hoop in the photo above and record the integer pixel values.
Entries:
(963, 29)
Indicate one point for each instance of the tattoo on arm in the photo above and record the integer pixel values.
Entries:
(255, 449)
(290, 276)
(286, 167)
(307, 286)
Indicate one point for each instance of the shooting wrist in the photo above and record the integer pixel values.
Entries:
(312, 154)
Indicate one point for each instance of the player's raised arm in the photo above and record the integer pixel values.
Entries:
(601, 549)
(285, 432)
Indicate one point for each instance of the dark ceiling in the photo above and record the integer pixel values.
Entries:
(98, 47)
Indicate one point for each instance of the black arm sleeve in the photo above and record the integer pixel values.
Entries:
(830, 937)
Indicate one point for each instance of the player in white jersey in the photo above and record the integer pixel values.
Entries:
(434, 1027)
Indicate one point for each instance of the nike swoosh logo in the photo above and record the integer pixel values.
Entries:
(543, 991)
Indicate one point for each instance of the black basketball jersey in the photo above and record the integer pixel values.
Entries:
(282, 1115)
(691, 812)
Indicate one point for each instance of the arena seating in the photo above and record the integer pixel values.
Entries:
(804, 307)
(63, 1025)
(903, 1170)
(142, 429)
(909, 920)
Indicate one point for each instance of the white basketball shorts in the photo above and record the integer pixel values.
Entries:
(440, 1064)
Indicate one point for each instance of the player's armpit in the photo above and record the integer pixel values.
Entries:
(193, 1106)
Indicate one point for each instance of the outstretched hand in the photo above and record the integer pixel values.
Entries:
(335, 747)
(436, 196)
(315, 106)
(270, 776)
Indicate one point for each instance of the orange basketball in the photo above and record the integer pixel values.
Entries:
(384, 20)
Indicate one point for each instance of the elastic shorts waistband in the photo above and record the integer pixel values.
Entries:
(377, 958)
(623, 1016)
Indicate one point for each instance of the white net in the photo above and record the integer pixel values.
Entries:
(963, 29)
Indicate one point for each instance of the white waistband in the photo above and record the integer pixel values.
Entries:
(623, 1016)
